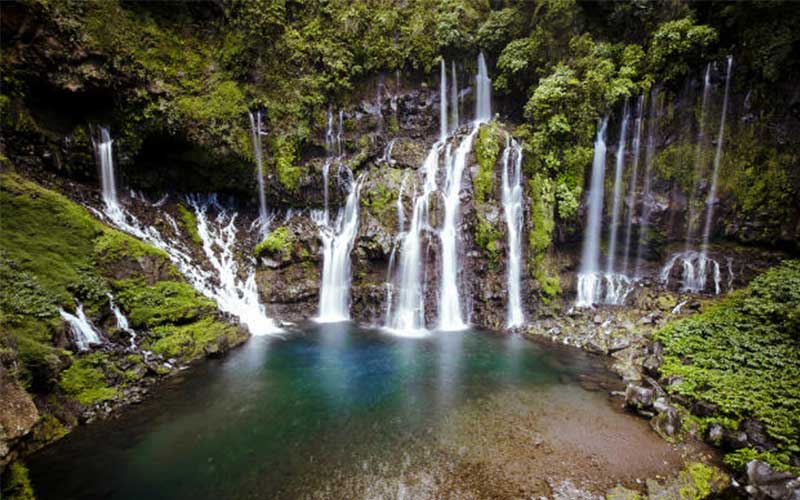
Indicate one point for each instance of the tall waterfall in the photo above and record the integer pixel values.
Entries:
(698, 157)
(443, 101)
(589, 280)
(104, 150)
(453, 97)
(637, 142)
(618, 168)
(483, 93)
(450, 314)
(407, 315)
(712, 192)
(512, 206)
(647, 201)
(84, 334)
(256, 133)
(233, 295)
(337, 243)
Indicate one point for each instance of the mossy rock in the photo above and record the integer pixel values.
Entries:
(16, 483)
(696, 481)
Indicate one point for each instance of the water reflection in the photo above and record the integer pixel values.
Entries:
(281, 414)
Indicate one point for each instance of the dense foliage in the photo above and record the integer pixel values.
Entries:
(743, 357)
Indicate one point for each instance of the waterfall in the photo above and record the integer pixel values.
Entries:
(256, 133)
(589, 283)
(483, 98)
(442, 101)
(450, 317)
(695, 268)
(122, 321)
(453, 97)
(339, 134)
(103, 146)
(407, 315)
(84, 334)
(619, 166)
(512, 206)
(647, 202)
(637, 141)
(698, 157)
(712, 192)
(337, 242)
(387, 153)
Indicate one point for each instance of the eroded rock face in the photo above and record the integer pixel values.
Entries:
(18, 415)
(766, 483)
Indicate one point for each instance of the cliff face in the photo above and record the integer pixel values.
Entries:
(176, 90)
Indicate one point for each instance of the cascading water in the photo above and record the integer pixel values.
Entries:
(387, 153)
(442, 101)
(232, 295)
(337, 243)
(256, 133)
(695, 268)
(122, 321)
(589, 280)
(637, 142)
(698, 157)
(84, 334)
(450, 314)
(712, 192)
(105, 156)
(618, 168)
(407, 315)
(512, 206)
(453, 97)
(483, 94)
(647, 201)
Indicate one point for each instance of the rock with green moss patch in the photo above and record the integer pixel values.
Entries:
(696, 481)
(623, 493)
(16, 484)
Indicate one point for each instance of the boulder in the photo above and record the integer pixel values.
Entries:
(18, 414)
(695, 482)
(766, 483)
(638, 397)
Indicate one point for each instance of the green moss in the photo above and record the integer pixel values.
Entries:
(284, 153)
(16, 483)
(277, 244)
(189, 341)
(487, 148)
(486, 237)
(46, 235)
(743, 355)
(165, 302)
(85, 380)
(380, 203)
(189, 223)
(542, 201)
(738, 459)
(113, 246)
(702, 480)
(49, 429)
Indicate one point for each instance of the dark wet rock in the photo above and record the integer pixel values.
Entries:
(766, 483)
(667, 421)
(638, 397)
(757, 435)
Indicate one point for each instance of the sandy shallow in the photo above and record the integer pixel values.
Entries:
(571, 443)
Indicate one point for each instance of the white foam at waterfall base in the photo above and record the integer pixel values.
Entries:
(84, 334)
(337, 243)
(512, 207)
(695, 270)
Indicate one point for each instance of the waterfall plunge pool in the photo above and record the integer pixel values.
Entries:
(341, 411)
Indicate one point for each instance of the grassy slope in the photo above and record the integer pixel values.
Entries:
(743, 357)
(54, 253)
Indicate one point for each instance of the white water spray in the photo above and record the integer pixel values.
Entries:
(512, 206)
(589, 280)
(618, 168)
(337, 243)
(84, 334)
(483, 97)
(442, 101)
